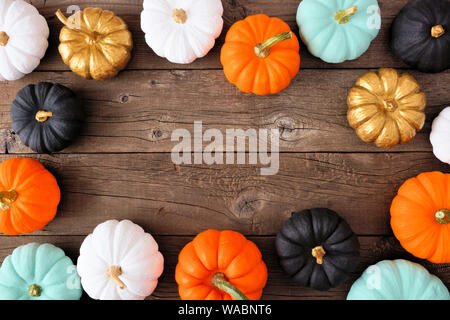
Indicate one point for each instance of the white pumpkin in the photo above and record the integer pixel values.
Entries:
(440, 136)
(181, 30)
(23, 39)
(119, 261)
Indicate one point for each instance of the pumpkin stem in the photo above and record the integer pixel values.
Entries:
(220, 281)
(343, 16)
(3, 38)
(318, 253)
(42, 116)
(437, 31)
(179, 16)
(69, 22)
(7, 198)
(442, 216)
(114, 272)
(34, 290)
(262, 50)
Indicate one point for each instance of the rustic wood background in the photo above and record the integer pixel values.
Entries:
(120, 167)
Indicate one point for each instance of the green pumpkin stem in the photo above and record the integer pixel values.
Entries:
(3, 38)
(343, 16)
(42, 116)
(7, 198)
(220, 281)
(34, 290)
(442, 216)
(114, 272)
(262, 50)
(318, 253)
(437, 31)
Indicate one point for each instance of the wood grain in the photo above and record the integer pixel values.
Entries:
(378, 55)
(120, 167)
(173, 199)
(138, 110)
(279, 286)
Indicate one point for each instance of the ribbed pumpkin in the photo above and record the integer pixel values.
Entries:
(420, 216)
(317, 248)
(95, 43)
(386, 107)
(220, 265)
(46, 116)
(29, 196)
(260, 55)
(39, 272)
(398, 280)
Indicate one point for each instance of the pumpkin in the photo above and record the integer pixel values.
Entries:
(119, 261)
(94, 43)
(420, 35)
(23, 39)
(317, 248)
(386, 107)
(181, 31)
(440, 136)
(29, 196)
(335, 30)
(46, 116)
(420, 216)
(398, 280)
(260, 55)
(220, 265)
(39, 272)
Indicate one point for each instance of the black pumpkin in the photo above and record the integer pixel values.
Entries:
(46, 116)
(420, 35)
(317, 248)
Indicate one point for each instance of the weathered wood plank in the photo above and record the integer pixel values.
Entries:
(378, 55)
(279, 286)
(138, 110)
(185, 199)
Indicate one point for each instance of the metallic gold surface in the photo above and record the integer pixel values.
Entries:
(95, 43)
(386, 107)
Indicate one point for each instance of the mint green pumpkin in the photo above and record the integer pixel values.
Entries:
(398, 280)
(39, 272)
(338, 30)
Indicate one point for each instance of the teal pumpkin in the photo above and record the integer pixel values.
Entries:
(338, 30)
(39, 272)
(398, 280)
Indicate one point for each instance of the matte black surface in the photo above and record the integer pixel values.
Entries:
(411, 38)
(308, 229)
(59, 130)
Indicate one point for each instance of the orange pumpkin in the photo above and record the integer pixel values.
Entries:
(420, 216)
(220, 265)
(29, 196)
(260, 55)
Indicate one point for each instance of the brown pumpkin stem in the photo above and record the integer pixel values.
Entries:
(34, 290)
(343, 16)
(437, 31)
(114, 272)
(442, 216)
(179, 16)
(42, 116)
(318, 253)
(262, 50)
(69, 24)
(219, 280)
(7, 198)
(3, 38)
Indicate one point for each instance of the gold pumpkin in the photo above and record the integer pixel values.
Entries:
(94, 43)
(386, 107)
